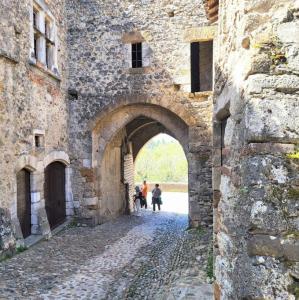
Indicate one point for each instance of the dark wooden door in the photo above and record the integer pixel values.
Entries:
(55, 193)
(24, 201)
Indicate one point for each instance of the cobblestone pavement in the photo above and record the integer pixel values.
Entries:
(148, 257)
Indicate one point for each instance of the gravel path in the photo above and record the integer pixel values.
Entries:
(147, 257)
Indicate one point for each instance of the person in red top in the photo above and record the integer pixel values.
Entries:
(144, 190)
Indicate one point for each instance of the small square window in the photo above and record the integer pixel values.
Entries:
(137, 55)
(39, 141)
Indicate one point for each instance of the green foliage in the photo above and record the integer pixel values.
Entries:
(294, 289)
(161, 161)
(210, 265)
(73, 223)
(293, 193)
(5, 257)
(293, 155)
(21, 249)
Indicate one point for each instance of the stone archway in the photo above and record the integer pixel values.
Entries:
(117, 136)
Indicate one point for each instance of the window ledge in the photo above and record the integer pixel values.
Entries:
(199, 95)
(142, 70)
(45, 70)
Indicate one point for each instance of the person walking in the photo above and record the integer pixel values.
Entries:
(156, 197)
(144, 190)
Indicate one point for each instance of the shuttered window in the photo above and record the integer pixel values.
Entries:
(201, 66)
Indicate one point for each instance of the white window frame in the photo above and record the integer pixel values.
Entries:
(45, 39)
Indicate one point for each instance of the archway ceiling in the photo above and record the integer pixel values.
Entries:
(141, 130)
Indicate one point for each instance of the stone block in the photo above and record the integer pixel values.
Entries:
(216, 198)
(90, 201)
(35, 197)
(7, 239)
(217, 291)
(265, 245)
(204, 33)
(132, 37)
(256, 83)
(272, 120)
(290, 249)
(266, 219)
(87, 163)
(88, 174)
(288, 33)
(225, 244)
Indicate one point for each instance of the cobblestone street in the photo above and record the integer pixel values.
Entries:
(147, 257)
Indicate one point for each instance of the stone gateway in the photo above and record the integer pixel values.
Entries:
(84, 85)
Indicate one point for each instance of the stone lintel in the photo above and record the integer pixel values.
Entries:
(200, 34)
(132, 37)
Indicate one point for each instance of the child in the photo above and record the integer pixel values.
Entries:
(137, 201)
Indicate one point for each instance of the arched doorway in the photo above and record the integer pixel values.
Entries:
(125, 132)
(55, 200)
(109, 145)
(24, 201)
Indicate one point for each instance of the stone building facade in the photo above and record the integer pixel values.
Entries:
(117, 108)
(85, 84)
(34, 115)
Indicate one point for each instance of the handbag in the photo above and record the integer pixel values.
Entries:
(160, 201)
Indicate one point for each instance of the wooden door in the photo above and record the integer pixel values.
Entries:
(55, 194)
(24, 201)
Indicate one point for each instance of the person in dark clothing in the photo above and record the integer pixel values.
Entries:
(156, 197)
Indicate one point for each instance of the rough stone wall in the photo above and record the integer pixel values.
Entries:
(101, 80)
(256, 186)
(31, 101)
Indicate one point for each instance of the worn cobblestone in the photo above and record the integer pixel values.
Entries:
(147, 257)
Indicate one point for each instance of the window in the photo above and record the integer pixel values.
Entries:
(223, 127)
(47, 29)
(201, 66)
(35, 12)
(137, 55)
(35, 45)
(48, 56)
(37, 140)
(43, 37)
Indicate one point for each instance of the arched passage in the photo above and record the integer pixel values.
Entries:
(117, 139)
(109, 143)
